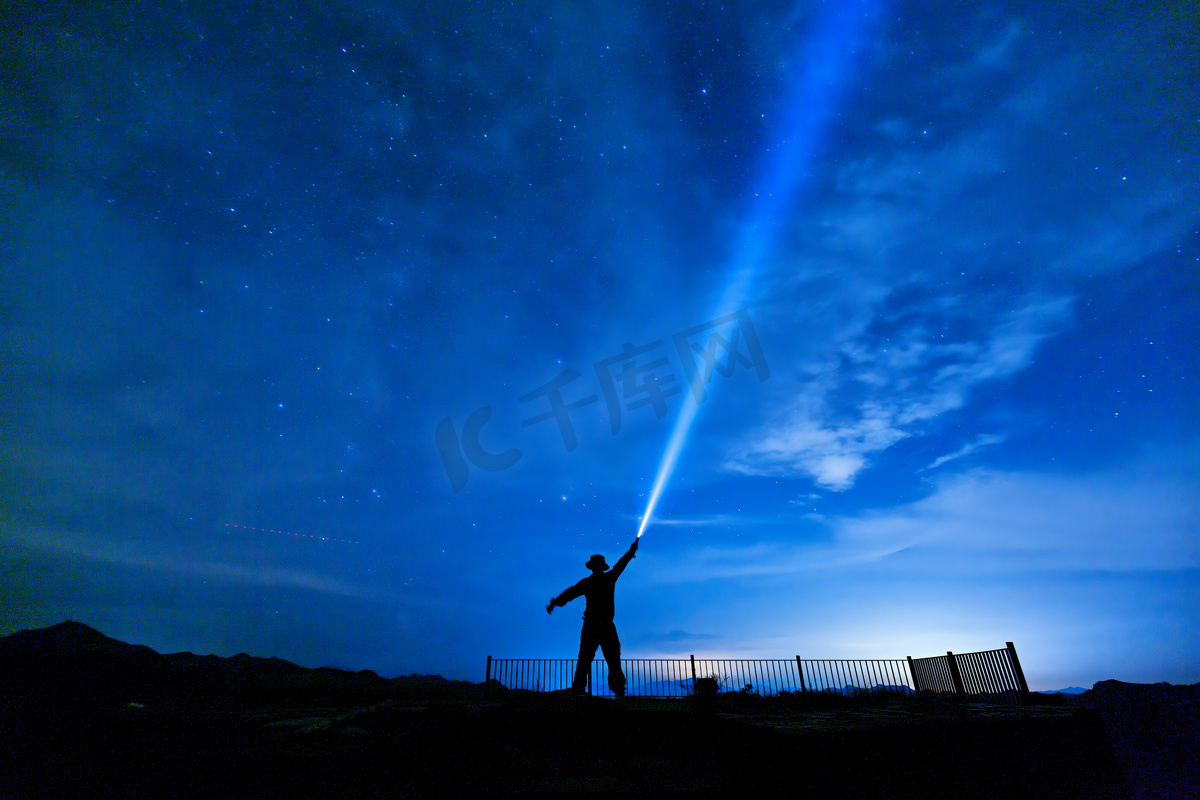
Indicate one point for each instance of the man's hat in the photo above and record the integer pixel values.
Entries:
(596, 561)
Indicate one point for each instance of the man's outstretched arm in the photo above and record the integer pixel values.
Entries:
(623, 562)
(564, 598)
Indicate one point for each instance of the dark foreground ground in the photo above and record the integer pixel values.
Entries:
(326, 734)
(449, 742)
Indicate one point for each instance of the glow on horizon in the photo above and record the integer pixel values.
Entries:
(827, 62)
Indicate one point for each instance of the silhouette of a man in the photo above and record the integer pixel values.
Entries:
(599, 630)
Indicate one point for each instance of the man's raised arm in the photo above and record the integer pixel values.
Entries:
(564, 598)
(623, 562)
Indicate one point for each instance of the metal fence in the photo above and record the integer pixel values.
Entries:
(675, 677)
(856, 676)
(987, 676)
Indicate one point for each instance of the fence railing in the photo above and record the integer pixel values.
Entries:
(987, 676)
(855, 676)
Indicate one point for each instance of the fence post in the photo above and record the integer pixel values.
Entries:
(487, 681)
(912, 670)
(800, 670)
(693, 658)
(958, 684)
(1024, 687)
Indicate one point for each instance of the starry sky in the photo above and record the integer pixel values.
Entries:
(346, 332)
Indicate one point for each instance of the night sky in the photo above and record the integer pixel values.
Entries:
(345, 333)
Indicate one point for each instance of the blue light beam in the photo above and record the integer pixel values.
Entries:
(828, 62)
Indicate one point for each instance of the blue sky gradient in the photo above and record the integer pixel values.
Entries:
(252, 258)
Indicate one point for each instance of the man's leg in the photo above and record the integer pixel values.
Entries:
(587, 651)
(611, 645)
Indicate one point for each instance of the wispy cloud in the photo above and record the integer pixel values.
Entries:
(178, 558)
(684, 636)
(980, 441)
(1134, 518)
(901, 386)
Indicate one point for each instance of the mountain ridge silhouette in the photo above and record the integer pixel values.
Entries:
(71, 660)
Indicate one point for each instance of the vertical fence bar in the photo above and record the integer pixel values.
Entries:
(990, 674)
(996, 671)
(958, 684)
(1004, 675)
(1002, 680)
(1022, 686)
(943, 672)
(984, 675)
(966, 670)
(1010, 679)
(997, 675)
(978, 674)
